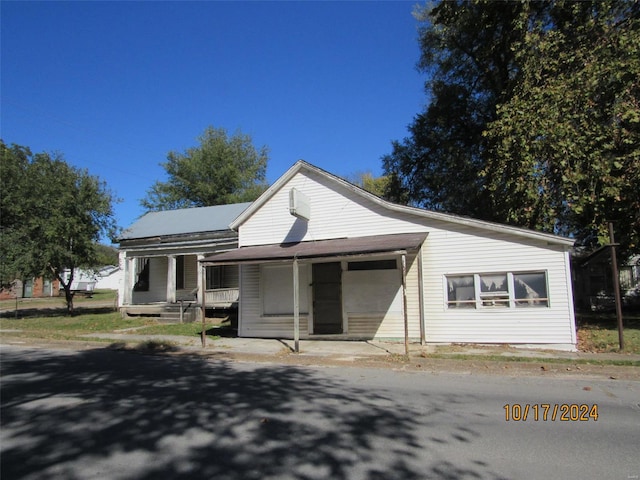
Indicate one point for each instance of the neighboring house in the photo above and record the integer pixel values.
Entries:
(104, 278)
(33, 288)
(109, 278)
(159, 256)
(370, 269)
(593, 277)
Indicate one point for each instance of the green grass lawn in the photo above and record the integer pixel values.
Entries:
(46, 318)
(599, 332)
(62, 327)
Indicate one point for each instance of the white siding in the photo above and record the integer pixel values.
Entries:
(333, 215)
(337, 212)
(447, 253)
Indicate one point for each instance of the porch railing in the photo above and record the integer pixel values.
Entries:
(222, 296)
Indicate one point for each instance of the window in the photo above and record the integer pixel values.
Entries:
(461, 292)
(142, 283)
(277, 289)
(530, 289)
(180, 272)
(373, 265)
(497, 290)
(494, 291)
(220, 276)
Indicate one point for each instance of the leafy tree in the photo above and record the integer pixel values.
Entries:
(566, 145)
(365, 180)
(53, 214)
(466, 54)
(223, 169)
(532, 117)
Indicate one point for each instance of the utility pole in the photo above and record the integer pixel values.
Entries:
(616, 285)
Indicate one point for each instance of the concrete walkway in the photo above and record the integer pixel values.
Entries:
(264, 346)
(349, 350)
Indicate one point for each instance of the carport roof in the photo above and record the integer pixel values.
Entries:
(337, 247)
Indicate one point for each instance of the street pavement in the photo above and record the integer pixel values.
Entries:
(104, 413)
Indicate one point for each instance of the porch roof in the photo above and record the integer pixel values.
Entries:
(337, 247)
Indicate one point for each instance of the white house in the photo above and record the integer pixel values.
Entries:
(109, 278)
(159, 256)
(322, 258)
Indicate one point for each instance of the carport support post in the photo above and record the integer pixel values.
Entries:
(296, 307)
(616, 286)
(203, 283)
(404, 304)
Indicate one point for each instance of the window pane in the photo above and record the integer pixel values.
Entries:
(531, 289)
(494, 290)
(494, 283)
(461, 292)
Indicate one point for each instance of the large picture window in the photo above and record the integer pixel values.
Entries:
(497, 290)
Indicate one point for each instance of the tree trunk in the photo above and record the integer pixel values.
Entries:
(68, 294)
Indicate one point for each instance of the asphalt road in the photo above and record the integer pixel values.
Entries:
(109, 414)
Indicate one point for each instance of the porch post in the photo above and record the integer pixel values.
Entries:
(202, 282)
(296, 307)
(129, 279)
(404, 304)
(423, 339)
(171, 279)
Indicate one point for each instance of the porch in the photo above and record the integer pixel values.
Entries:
(167, 287)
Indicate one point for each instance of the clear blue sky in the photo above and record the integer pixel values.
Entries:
(115, 86)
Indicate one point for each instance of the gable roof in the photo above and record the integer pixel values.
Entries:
(184, 221)
(301, 166)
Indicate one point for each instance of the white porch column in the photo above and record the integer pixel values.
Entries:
(171, 279)
(129, 280)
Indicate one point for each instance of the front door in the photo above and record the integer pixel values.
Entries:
(327, 298)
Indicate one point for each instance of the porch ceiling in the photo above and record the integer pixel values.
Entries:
(403, 242)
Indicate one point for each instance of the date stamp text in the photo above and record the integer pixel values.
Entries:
(545, 412)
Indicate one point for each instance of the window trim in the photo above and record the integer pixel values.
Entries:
(480, 297)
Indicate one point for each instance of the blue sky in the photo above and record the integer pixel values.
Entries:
(115, 86)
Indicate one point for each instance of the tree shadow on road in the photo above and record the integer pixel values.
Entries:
(113, 414)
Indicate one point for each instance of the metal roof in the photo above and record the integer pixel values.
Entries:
(184, 221)
(320, 248)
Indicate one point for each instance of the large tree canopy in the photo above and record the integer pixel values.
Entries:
(53, 216)
(565, 150)
(532, 117)
(223, 169)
